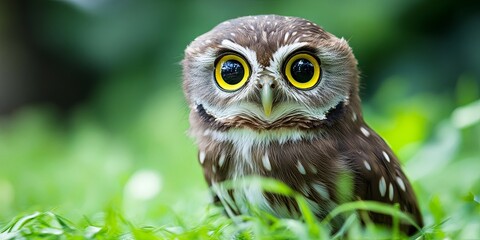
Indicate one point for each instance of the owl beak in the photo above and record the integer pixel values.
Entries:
(267, 99)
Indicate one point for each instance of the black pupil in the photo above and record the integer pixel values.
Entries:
(232, 72)
(302, 70)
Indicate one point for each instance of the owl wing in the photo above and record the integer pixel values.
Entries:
(379, 177)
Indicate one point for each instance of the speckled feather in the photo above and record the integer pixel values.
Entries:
(313, 138)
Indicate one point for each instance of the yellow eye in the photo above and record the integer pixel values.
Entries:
(231, 72)
(303, 71)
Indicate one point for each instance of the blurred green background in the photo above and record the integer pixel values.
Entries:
(92, 111)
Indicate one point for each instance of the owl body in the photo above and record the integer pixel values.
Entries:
(277, 97)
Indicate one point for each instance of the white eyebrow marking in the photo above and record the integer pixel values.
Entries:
(282, 53)
(249, 54)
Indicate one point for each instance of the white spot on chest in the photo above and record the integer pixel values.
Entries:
(365, 132)
(221, 161)
(367, 165)
(382, 186)
(385, 155)
(300, 168)
(401, 184)
(321, 189)
(313, 169)
(390, 192)
(266, 162)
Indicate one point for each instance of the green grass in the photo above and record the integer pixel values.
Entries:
(137, 177)
(212, 225)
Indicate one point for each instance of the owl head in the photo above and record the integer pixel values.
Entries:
(269, 72)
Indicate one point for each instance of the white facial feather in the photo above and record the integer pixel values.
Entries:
(251, 109)
(249, 54)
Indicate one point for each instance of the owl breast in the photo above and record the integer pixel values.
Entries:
(304, 160)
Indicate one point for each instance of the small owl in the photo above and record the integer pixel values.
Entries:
(277, 97)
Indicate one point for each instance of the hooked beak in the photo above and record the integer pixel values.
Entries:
(267, 97)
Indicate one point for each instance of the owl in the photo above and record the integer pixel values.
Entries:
(277, 97)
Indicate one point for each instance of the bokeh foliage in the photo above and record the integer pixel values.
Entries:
(420, 86)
